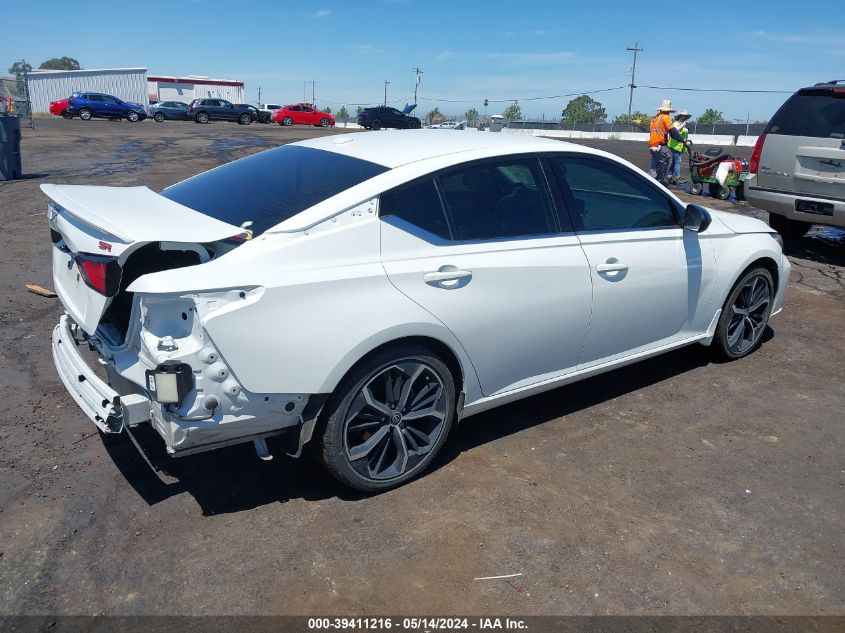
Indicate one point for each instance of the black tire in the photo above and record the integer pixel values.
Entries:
(132, 116)
(324, 122)
(718, 191)
(287, 121)
(729, 342)
(245, 119)
(66, 115)
(202, 117)
(158, 117)
(789, 229)
(85, 114)
(333, 433)
(696, 188)
(414, 125)
(376, 125)
(265, 118)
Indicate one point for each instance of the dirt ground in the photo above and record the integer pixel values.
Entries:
(676, 486)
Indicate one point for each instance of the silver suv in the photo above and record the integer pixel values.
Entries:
(799, 162)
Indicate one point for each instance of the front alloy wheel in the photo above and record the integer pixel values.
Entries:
(393, 416)
(132, 116)
(745, 315)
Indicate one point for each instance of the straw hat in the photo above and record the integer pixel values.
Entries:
(666, 106)
(683, 113)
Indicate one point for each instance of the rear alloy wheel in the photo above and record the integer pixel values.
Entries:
(745, 315)
(85, 114)
(696, 188)
(376, 125)
(202, 117)
(415, 125)
(789, 229)
(245, 119)
(287, 121)
(324, 122)
(158, 117)
(388, 419)
(132, 116)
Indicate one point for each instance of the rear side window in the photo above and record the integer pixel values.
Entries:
(419, 205)
(818, 113)
(271, 186)
(500, 199)
(602, 196)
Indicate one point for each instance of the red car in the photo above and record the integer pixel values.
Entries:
(302, 114)
(59, 108)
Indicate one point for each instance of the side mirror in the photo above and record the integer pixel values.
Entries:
(696, 218)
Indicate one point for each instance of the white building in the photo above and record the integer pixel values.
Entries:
(190, 87)
(129, 84)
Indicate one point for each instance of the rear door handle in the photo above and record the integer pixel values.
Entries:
(446, 275)
(611, 268)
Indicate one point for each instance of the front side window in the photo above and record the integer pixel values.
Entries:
(417, 204)
(602, 196)
(223, 103)
(491, 200)
(271, 186)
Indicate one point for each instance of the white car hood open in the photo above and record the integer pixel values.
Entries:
(138, 214)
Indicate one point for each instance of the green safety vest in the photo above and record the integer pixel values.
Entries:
(678, 146)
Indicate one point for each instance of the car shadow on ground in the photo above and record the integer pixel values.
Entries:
(824, 245)
(233, 479)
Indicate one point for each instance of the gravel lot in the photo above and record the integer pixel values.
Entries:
(675, 486)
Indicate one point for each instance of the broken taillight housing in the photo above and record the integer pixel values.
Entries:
(100, 273)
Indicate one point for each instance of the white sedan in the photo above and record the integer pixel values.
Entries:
(366, 292)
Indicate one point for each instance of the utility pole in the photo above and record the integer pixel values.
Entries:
(259, 96)
(312, 83)
(419, 72)
(386, 83)
(633, 85)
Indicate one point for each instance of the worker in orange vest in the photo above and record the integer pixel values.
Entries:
(660, 130)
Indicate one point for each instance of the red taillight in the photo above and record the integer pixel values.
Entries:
(100, 273)
(754, 163)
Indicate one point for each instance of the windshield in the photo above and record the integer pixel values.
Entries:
(269, 187)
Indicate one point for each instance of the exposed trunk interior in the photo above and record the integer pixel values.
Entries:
(147, 259)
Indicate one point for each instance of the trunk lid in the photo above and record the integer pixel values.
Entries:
(105, 225)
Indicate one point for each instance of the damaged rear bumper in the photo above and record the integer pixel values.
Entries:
(252, 418)
(106, 408)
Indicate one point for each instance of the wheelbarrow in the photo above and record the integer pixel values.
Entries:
(703, 168)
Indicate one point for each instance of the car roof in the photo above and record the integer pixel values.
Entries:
(393, 149)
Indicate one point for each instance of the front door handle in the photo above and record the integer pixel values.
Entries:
(442, 276)
(611, 267)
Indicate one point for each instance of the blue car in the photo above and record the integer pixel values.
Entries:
(87, 105)
(172, 110)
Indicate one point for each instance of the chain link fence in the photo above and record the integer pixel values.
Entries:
(731, 129)
(14, 99)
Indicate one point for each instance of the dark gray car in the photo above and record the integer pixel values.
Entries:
(212, 109)
(169, 110)
(799, 162)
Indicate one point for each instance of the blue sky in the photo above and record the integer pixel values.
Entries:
(468, 50)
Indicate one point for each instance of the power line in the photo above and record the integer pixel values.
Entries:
(782, 92)
(571, 94)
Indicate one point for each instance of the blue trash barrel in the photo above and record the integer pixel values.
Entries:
(10, 148)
